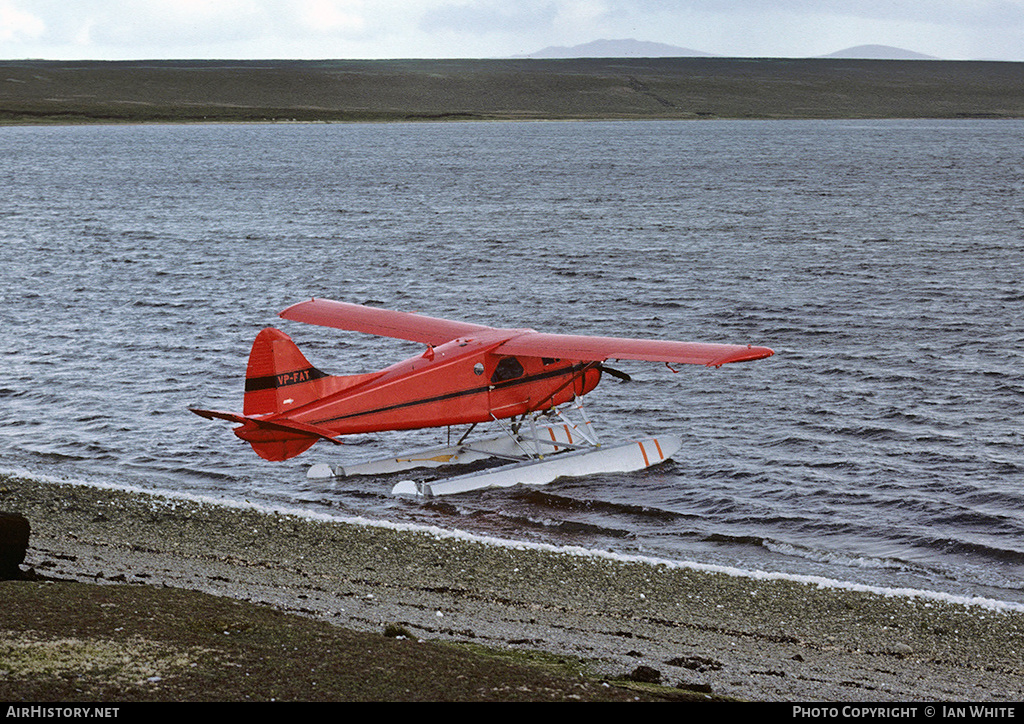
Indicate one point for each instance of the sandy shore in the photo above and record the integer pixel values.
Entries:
(749, 637)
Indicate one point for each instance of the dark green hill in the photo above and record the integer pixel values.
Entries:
(601, 88)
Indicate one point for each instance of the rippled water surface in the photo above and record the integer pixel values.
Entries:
(883, 262)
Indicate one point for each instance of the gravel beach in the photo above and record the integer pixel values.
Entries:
(754, 637)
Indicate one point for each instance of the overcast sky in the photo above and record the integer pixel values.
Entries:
(134, 29)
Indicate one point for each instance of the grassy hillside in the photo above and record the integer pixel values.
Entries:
(603, 88)
(128, 643)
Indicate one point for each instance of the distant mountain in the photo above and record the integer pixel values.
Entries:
(627, 48)
(878, 52)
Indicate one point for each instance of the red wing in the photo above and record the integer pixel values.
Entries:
(384, 322)
(539, 344)
(433, 331)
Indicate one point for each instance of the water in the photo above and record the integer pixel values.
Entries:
(881, 260)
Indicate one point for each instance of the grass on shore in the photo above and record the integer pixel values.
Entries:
(188, 91)
(65, 642)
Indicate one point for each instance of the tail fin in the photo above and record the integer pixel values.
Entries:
(279, 378)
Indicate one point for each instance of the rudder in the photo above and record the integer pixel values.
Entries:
(278, 376)
(279, 381)
(281, 450)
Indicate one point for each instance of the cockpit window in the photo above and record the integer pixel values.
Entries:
(508, 368)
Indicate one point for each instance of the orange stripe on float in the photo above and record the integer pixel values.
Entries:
(658, 445)
(644, 452)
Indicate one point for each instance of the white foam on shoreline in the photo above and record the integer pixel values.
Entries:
(989, 604)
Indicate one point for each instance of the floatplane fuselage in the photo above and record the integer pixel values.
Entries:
(468, 374)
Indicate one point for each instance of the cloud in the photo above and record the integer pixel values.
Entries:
(186, 28)
(488, 16)
(944, 28)
(114, 29)
(16, 25)
(331, 16)
(90, 23)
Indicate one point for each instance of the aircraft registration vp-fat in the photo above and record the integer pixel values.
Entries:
(529, 383)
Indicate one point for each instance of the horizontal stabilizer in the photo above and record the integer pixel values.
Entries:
(220, 415)
(273, 439)
(282, 424)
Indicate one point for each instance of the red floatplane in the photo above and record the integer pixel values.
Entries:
(523, 380)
